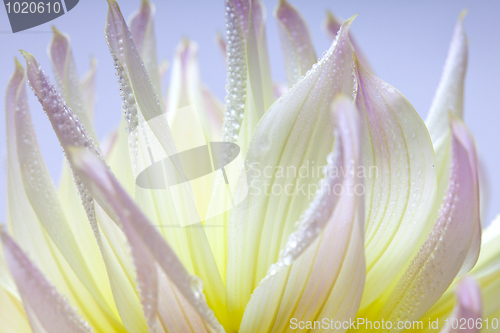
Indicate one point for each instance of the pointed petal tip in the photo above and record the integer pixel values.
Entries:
(281, 5)
(462, 15)
(330, 18)
(26, 55)
(460, 23)
(93, 61)
(331, 23)
(350, 19)
(113, 6)
(58, 34)
(344, 28)
(31, 62)
(55, 30)
(18, 66)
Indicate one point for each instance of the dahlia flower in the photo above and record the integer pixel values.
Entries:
(328, 205)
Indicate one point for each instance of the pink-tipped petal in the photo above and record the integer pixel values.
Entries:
(462, 134)
(469, 308)
(88, 87)
(332, 25)
(294, 134)
(486, 273)
(320, 273)
(446, 248)
(450, 91)
(248, 72)
(147, 245)
(67, 78)
(47, 309)
(186, 89)
(142, 29)
(133, 76)
(179, 204)
(122, 45)
(400, 180)
(296, 42)
(448, 100)
(75, 243)
(68, 128)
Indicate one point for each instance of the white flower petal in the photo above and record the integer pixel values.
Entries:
(296, 42)
(44, 305)
(147, 245)
(326, 278)
(295, 133)
(444, 252)
(400, 181)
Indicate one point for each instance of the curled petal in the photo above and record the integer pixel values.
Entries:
(294, 134)
(469, 307)
(67, 78)
(12, 317)
(487, 270)
(68, 128)
(448, 100)
(133, 75)
(122, 45)
(486, 273)
(147, 245)
(249, 88)
(400, 181)
(47, 309)
(150, 137)
(295, 41)
(88, 86)
(142, 29)
(38, 224)
(449, 94)
(75, 242)
(71, 133)
(320, 273)
(186, 89)
(332, 25)
(446, 248)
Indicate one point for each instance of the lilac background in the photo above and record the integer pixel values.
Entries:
(405, 41)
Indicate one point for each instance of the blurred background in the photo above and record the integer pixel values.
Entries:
(406, 43)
